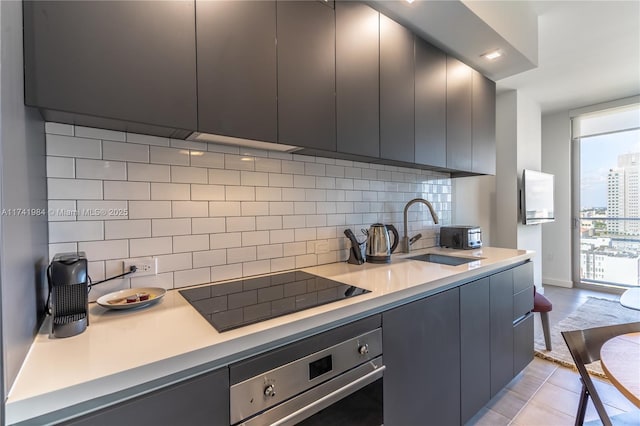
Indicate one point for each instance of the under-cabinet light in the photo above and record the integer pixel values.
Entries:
(247, 143)
(492, 55)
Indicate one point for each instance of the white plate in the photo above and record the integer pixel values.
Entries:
(118, 299)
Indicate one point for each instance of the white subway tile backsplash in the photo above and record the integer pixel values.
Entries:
(63, 232)
(149, 247)
(238, 255)
(105, 250)
(148, 172)
(191, 277)
(239, 224)
(214, 212)
(125, 151)
(161, 280)
(115, 190)
(70, 146)
(224, 208)
(254, 208)
(225, 240)
(103, 170)
(209, 258)
(174, 262)
(170, 191)
(162, 155)
(74, 189)
(117, 229)
(189, 243)
(90, 132)
(180, 174)
(62, 248)
(224, 177)
(61, 167)
(207, 225)
(58, 129)
(240, 193)
(149, 209)
(190, 208)
(61, 210)
(164, 227)
(207, 192)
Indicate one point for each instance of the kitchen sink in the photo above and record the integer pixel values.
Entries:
(443, 259)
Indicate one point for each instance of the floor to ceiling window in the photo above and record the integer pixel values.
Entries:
(607, 226)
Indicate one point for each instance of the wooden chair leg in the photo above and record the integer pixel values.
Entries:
(544, 316)
(582, 405)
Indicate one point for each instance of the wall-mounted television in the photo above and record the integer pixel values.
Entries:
(537, 197)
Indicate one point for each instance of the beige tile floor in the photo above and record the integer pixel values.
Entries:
(546, 394)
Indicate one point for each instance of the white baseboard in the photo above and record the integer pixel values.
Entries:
(557, 283)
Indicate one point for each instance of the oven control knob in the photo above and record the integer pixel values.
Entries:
(364, 349)
(270, 391)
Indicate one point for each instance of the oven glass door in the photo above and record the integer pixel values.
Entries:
(363, 407)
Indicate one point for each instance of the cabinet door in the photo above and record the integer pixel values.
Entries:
(237, 69)
(484, 125)
(306, 74)
(397, 108)
(132, 61)
(475, 347)
(501, 291)
(357, 78)
(458, 115)
(522, 344)
(203, 400)
(431, 105)
(421, 347)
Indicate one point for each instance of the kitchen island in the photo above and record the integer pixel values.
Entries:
(127, 353)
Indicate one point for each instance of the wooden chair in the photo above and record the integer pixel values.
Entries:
(584, 346)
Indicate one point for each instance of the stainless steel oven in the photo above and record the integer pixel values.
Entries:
(337, 385)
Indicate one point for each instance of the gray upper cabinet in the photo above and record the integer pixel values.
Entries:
(484, 125)
(357, 78)
(397, 107)
(132, 61)
(237, 83)
(431, 105)
(306, 74)
(459, 94)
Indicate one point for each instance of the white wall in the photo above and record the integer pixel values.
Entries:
(474, 200)
(556, 236)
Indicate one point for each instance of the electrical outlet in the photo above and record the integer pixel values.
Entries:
(144, 266)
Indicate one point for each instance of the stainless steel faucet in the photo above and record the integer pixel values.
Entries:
(406, 242)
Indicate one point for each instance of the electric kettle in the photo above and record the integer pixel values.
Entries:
(379, 247)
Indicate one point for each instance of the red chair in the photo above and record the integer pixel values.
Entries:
(541, 304)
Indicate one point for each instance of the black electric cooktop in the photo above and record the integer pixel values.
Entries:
(239, 303)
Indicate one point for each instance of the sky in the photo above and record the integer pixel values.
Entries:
(598, 154)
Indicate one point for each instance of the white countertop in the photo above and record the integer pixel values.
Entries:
(127, 348)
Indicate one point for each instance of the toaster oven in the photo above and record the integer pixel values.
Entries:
(461, 237)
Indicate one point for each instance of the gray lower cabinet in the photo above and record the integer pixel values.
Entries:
(203, 400)
(475, 347)
(421, 350)
(357, 79)
(237, 83)
(522, 343)
(397, 108)
(501, 308)
(431, 105)
(484, 125)
(459, 113)
(131, 61)
(306, 74)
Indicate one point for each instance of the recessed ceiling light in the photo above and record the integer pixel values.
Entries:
(492, 55)
(410, 1)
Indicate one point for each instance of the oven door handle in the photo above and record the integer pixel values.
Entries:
(327, 400)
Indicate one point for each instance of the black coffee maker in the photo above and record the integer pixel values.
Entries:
(69, 294)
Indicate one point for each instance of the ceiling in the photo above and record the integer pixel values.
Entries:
(588, 51)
